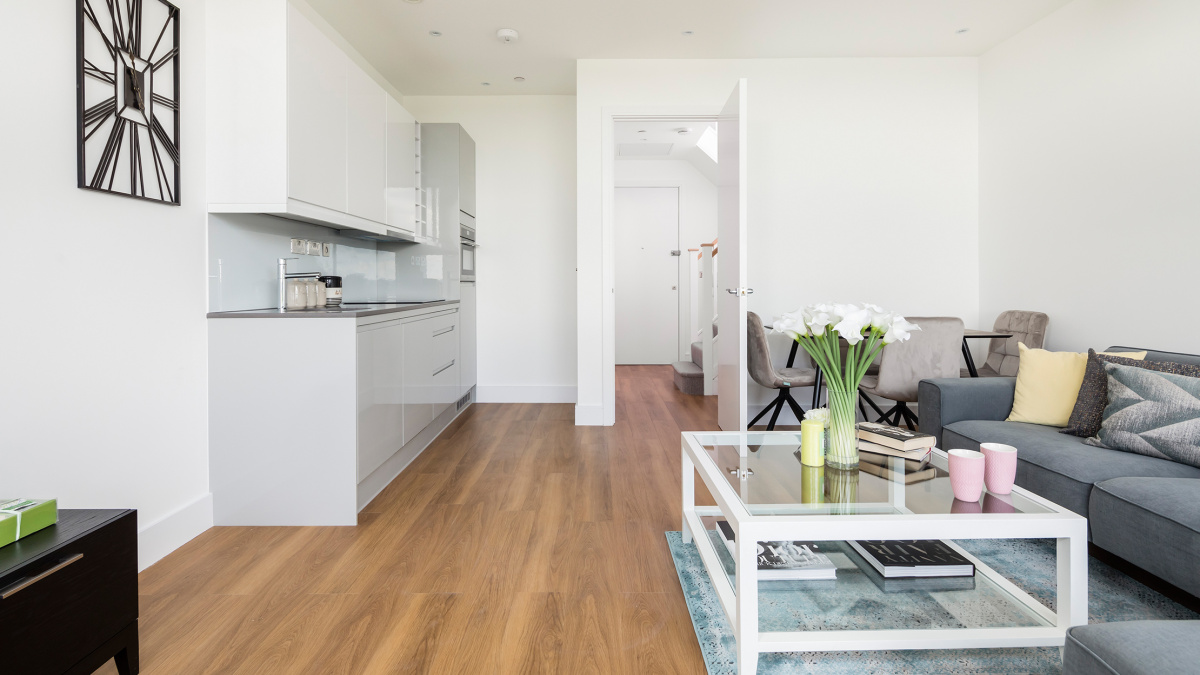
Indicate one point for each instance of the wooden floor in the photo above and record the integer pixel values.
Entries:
(516, 543)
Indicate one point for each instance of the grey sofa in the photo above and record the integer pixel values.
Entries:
(1133, 648)
(1141, 509)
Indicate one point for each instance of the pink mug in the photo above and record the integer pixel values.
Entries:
(1001, 469)
(966, 474)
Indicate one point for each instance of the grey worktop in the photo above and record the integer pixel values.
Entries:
(352, 311)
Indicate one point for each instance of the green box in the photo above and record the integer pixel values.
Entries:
(30, 515)
(8, 529)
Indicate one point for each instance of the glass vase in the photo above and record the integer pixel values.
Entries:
(843, 442)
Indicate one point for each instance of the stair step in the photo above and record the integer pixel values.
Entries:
(689, 378)
(698, 354)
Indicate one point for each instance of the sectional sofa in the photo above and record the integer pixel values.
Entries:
(1144, 510)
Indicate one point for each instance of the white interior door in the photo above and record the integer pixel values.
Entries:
(731, 252)
(647, 275)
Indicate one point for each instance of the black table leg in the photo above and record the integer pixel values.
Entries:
(969, 360)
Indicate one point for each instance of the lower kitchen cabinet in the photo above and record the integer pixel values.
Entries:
(310, 417)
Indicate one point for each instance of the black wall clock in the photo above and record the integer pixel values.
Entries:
(128, 91)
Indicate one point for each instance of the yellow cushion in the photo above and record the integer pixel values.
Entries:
(1136, 356)
(1047, 386)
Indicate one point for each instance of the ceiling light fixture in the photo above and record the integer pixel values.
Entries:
(486, 84)
(412, 2)
(518, 79)
(686, 33)
(683, 131)
(507, 35)
(641, 131)
(435, 33)
(960, 31)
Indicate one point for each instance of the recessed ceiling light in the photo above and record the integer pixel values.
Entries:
(486, 84)
(686, 33)
(682, 131)
(435, 33)
(518, 79)
(962, 30)
(641, 131)
(412, 2)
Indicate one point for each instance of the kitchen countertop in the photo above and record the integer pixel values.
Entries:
(352, 311)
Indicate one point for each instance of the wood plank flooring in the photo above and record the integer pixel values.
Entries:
(516, 543)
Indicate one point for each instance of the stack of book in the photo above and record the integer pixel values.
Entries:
(780, 560)
(879, 445)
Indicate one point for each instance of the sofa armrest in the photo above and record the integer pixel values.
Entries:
(945, 401)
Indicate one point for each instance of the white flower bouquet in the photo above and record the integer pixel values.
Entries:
(866, 330)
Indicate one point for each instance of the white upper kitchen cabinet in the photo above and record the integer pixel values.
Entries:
(402, 166)
(297, 129)
(366, 135)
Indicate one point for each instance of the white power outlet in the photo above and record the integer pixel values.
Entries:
(314, 248)
(299, 246)
(326, 249)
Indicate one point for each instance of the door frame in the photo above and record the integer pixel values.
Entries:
(608, 267)
(683, 306)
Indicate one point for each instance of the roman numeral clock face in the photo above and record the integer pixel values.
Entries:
(129, 98)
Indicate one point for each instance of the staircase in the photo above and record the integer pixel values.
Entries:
(689, 375)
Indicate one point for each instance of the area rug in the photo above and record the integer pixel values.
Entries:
(1112, 596)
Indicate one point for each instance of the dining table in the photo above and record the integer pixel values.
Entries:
(976, 334)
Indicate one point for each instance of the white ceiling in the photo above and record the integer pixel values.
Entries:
(664, 134)
(394, 34)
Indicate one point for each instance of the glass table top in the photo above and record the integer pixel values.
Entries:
(769, 479)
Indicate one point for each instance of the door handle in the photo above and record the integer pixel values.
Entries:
(740, 291)
(26, 583)
(439, 370)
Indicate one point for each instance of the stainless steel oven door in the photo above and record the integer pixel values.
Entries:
(467, 258)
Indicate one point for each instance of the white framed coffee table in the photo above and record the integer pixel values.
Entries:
(766, 494)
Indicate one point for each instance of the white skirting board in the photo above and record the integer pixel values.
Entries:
(157, 539)
(527, 394)
(377, 480)
(589, 416)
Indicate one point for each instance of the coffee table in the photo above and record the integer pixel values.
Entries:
(766, 494)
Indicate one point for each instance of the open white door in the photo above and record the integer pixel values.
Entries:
(731, 270)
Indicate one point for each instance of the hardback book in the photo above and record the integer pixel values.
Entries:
(894, 437)
(868, 446)
(881, 459)
(908, 558)
(784, 560)
(918, 584)
(30, 515)
(908, 477)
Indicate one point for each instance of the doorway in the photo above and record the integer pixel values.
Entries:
(647, 276)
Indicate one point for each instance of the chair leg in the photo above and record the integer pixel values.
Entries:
(770, 406)
(775, 415)
(796, 409)
(876, 408)
(910, 418)
(816, 399)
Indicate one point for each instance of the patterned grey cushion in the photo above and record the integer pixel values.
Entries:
(1149, 413)
(1093, 393)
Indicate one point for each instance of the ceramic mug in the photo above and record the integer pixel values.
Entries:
(966, 474)
(1001, 468)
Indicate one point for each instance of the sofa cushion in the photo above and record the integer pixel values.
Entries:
(1155, 414)
(1093, 393)
(1153, 523)
(1133, 648)
(1047, 386)
(1056, 466)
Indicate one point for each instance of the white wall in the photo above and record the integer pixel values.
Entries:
(1090, 174)
(525, 177)
(882, 153)
(697, 217)
(103, 398)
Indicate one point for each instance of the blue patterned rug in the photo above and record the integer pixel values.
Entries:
(1112, 596)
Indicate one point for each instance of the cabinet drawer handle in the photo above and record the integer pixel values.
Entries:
(26, 583)
(444, 367)
(443, 331)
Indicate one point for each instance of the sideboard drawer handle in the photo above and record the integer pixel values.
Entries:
(440, 370)
(26, 583)
(443, 331)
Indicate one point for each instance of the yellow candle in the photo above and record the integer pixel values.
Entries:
(812, 443)
(812, 484)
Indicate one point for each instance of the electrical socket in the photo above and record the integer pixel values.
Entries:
(314, 248)
(326, 249)
(299, 246)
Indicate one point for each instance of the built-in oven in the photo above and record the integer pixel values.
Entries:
(467, 257)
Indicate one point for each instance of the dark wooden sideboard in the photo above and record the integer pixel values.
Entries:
(68, 596)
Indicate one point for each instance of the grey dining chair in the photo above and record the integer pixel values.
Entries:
(1003, 355)
(931, 352)
(762, 371)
